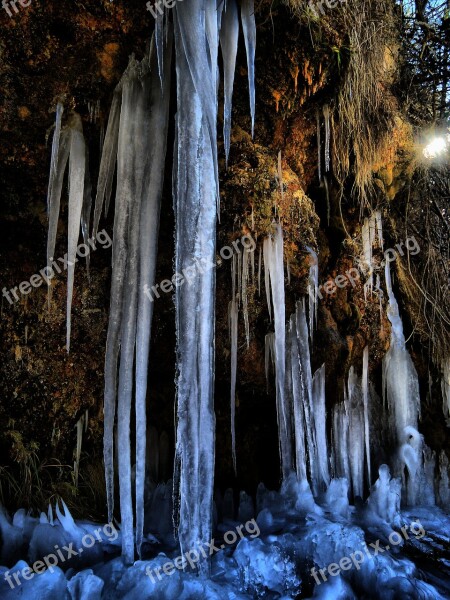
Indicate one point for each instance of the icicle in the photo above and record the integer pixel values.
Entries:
(269, 355)
(298, 396)
(319, 147)
(266, 250)
(80, 428)
(320, 425)
(313, 289)
(195, 192)
(274, 257)
(340, 442)
(159, 41)
(229, 35)
(445, 386)
(401, 388)
(234, 340)
(54, 196)
(77, 165)
(354, 408)
(86, 211)
(367, 255)
(326, 115)
(249, 29)
(280, 177)
(288, 271)
(108, 160)
(365, 389)
(259, 271)
(379, 225)
(55, 149)
(245, 261)
(327, 195)
(149, 228)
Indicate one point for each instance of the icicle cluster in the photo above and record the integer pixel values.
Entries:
(274, 281)
(136, 139)
(68, 147)
(372, 232)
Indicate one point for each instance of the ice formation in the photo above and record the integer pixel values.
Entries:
(143, 108)
(313, 290)
(274, 268)
(326, 116)
(401, 389)
(68, 147)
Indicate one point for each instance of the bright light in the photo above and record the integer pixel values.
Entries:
(435, 147)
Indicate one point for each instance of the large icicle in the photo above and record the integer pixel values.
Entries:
(149, 228)
(55, 150)
(195, 193)
(249, 29)
(229, 35)
(77, 165)
(401, 387)
(274, 255)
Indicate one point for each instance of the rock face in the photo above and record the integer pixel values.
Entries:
(75, 53)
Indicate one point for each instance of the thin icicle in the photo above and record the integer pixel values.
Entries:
(159, 40)
(319, 146)
(266, 250)
(55, 149)
(86, 212)
(54, 195)
(234, 340)
(108, 160)
(326, 115)
(269, 343)
(244, 294)
(445, 385)
(77, 165)
(229, 35)
(365, 389)
(320, 426)
(259, 270)
(298, 395)
(313, 291)
(280, 177)
(249, 29)
(379, 224)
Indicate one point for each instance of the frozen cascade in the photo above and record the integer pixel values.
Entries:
(143, 110)
(148, 249)
(195, 181)
(273, 257)
(401, 389)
